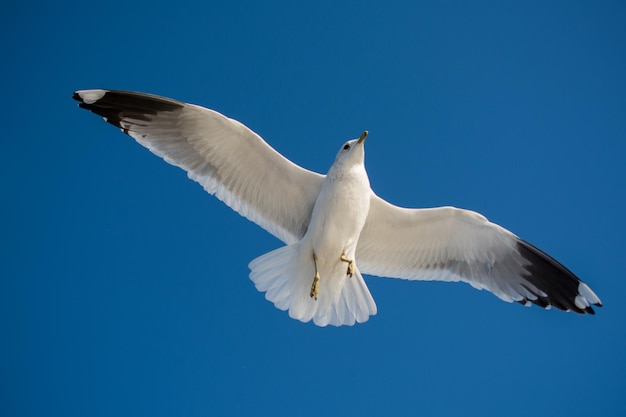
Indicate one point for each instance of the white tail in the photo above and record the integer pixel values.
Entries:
(286, 275)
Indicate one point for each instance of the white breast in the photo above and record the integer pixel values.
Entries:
(339, 215)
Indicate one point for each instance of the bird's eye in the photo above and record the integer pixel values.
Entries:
(346, 147)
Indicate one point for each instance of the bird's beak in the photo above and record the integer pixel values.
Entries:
(363, 136)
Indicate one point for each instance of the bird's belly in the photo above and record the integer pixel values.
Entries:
(336, 222)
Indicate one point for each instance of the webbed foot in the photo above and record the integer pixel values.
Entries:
(350, 262)
(315, 286)
(316, 280)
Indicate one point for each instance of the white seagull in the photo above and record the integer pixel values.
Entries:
(334, 226)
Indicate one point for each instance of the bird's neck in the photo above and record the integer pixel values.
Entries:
(351, 172)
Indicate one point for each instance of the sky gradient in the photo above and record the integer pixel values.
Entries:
(124, 286)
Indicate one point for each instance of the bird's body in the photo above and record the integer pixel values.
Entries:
(334, 226)
(340, 212)
(341, 208)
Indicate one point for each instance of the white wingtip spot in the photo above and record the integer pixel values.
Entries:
(581, 302)
(91, 96)
(589, 295)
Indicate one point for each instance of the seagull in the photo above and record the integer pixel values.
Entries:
(335, 228)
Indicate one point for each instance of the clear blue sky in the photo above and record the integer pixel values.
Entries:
(124, 287)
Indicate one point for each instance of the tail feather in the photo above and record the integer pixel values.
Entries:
(286, 275)
(355, 303)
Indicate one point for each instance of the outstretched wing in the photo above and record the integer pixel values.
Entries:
(224, 156)
(450, 244)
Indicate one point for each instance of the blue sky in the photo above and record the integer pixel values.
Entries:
(124, 287)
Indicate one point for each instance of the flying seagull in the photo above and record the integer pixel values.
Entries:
(334, 226)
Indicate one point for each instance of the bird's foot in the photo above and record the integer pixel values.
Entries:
(350, 265)
(315, 286)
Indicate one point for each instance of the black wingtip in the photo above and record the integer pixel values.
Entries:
(561, 288)
(116, 105)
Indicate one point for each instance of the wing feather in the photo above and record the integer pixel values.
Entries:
(451, 244)
(221, 154)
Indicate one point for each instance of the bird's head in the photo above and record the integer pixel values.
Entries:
(352, 152)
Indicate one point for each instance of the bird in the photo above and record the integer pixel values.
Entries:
(334, 227)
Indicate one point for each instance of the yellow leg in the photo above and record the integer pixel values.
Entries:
(350, 264)
(316, 280)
